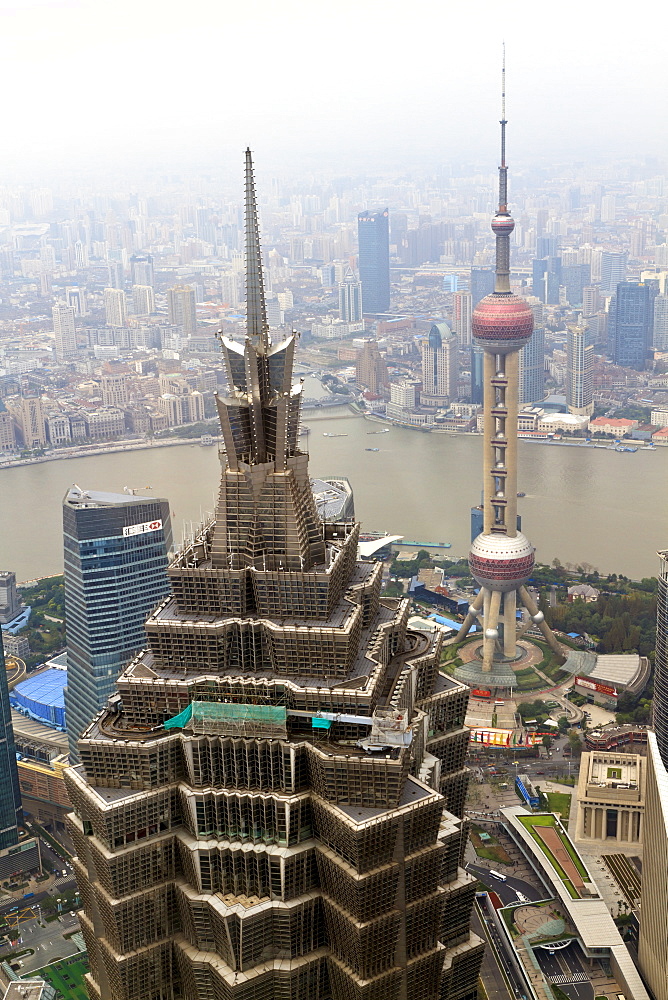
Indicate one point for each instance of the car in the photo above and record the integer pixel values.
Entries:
(65, 872)
(540, 772)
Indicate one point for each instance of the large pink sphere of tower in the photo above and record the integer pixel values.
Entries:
(500, 562)
(502, 322)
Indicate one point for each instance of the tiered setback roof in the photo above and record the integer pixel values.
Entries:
(272, 805)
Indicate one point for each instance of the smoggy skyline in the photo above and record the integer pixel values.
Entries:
(99, 85)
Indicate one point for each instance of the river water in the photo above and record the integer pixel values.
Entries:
(599, 507)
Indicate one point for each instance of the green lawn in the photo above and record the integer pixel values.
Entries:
(559, 802)
(67, 977)
(530, 822)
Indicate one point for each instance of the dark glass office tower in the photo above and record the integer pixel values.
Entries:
(374, 259)
(116, 554)
(660, 703)
(271, 807)
(11, 813)
(482, 284)
(631, 323)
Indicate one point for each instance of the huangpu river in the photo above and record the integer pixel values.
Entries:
(582, 505)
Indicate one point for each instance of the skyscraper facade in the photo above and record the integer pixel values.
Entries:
(116, 549)
(631, 322)
(350, 298)
(374, 259)
(613, 269)
(482, 284)
(141, 269)
(115, 307)
(11, 813)
(462, 308)
(660, 337)
(660, 703)
(181, 308)
(532, 359)
(65, 335)
(653, 938)
(579, 371)
(271, 805)
(439, 366)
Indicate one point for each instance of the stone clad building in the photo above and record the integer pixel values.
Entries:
(611, 798)
(271, 806)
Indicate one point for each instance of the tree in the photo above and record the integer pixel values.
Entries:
(574, 742)
(563, 723)
(547, 741)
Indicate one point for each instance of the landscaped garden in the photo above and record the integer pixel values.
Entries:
(561, 854)
(67, 977)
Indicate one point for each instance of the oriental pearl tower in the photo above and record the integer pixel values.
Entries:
(501, 557)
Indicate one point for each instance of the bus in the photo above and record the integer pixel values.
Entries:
(501, 878)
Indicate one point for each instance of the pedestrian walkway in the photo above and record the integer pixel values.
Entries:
(576, 977)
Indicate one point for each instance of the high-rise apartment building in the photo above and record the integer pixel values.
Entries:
(64, 332)
(75, 297)
(143, 300)
(660, 333)
(631, 323)
(116, 549)
(141, 269)
(613, 269)
(462, 309)
(374, 259)
(115, 307)
(11, 813)
(182, 308)
(271, 804)
(590, 300)
(350, 299)
(579, 371)
(10, 602)
(440, 367)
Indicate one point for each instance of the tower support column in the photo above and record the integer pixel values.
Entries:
(509, 623)
(491, 629)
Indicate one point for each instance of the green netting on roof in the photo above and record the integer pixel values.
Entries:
(217, 711)
(180, 720)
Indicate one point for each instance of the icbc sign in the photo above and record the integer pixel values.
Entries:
(140, 529)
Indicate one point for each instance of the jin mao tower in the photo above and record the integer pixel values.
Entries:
(271, 804)
(501, 557)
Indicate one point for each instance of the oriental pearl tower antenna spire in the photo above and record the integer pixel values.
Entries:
(501, 557)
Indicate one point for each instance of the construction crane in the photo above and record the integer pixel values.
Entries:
(134, 490)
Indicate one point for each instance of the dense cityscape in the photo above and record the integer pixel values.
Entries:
(281, 753)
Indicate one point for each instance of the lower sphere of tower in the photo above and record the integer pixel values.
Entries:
(499, 562)
(502, 322)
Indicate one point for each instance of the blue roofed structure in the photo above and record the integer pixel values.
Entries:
(449, 623)
(42, 697)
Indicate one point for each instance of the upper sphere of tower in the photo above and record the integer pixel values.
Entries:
(500, 562)
(502, 322)
(502, 225)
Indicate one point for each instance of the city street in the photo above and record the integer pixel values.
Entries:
(507, 891)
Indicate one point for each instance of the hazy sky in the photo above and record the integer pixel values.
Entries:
(347, 82)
